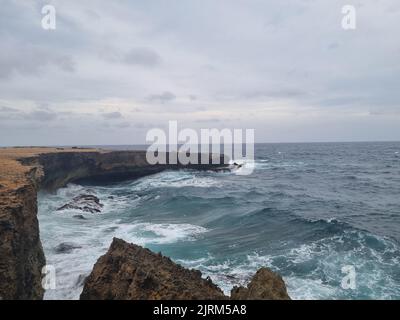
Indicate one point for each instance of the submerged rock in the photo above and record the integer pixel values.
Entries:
(84, 202)
(130, 272)
(265, 285)
(79, 216)
(66, 247)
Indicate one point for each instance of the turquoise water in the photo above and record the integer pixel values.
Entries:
(307, 211)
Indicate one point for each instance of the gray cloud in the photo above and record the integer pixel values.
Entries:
(31, 60)
(263, 62)
(112, 115)
(142, 56)
(8, 109)
(123, 125)
(41, 115)
(164, 97)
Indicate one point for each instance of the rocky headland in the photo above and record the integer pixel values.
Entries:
(126, 271)
(130, 272)
(23, 171)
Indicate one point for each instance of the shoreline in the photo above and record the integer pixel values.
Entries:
(25, 171)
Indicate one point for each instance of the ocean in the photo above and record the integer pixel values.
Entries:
(306, 212)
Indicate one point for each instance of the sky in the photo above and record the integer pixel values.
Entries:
(113, 70)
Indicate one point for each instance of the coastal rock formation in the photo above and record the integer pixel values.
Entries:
(130, 272)
(23, 171)
(102, 167)
(21, 253)
(265, 285)
(84, 202)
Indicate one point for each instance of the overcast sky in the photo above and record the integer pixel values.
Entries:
(114, 69)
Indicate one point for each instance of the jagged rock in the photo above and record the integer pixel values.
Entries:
(66, 247)
(265, 285)
(21, 253)
(130, 272)
(85, 203)
(79, 216)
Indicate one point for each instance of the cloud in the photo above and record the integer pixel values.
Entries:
(123, 125)
(31, 60)
(8, 109)
(263, 62)
(143, 57)
(164, 97)
(40, 115)
(112, 115)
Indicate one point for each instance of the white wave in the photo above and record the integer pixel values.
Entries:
(94, 236)
(176, 179)
(168, 232)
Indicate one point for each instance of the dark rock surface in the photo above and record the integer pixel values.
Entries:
(66, 247)
(79, 216)
(84, 202)
(130, 272)
(265, 285)
(21, 253)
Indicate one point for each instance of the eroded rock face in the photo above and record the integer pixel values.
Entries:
(130, 272)
(265, 285)
(21, 253)
(84, 202)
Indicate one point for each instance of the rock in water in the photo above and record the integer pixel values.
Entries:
(79, 216)
(265, 285)
(66, 247)
(85, 203)
(130, 272)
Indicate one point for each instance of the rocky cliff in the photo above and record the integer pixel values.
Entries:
(130, 272)
(22, 172)
(21, 253)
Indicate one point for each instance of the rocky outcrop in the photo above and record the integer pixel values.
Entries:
(84, 202)
(21, 253)
(130, 272)
(265, 285)
(66, 247)
(102, 167)
(22, 172)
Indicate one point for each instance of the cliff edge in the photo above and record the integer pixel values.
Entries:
(23, 171)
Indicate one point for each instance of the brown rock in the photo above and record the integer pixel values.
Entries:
(130, 272)
(265, 285)
(21, 253)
